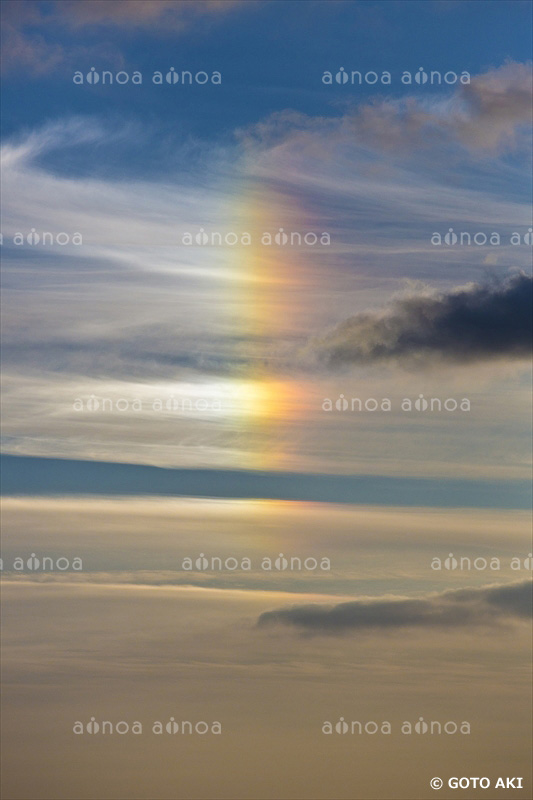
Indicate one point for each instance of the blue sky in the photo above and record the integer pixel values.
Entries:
(270, 56)
(61, 477)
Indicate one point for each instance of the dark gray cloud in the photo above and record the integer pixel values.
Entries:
(466, 607)
(475, 323)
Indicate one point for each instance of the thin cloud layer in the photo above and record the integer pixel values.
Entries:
(489, 115)
(499, 102)
(31, 30)
(485, 115)
(136, 13)
(476, 323)
(453, 609)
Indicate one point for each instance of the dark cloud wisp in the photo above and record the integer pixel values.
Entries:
(453, 609)
(474, 323)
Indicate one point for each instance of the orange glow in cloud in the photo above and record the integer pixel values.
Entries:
(270, 302)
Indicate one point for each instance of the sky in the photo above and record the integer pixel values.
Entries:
(266, 293)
